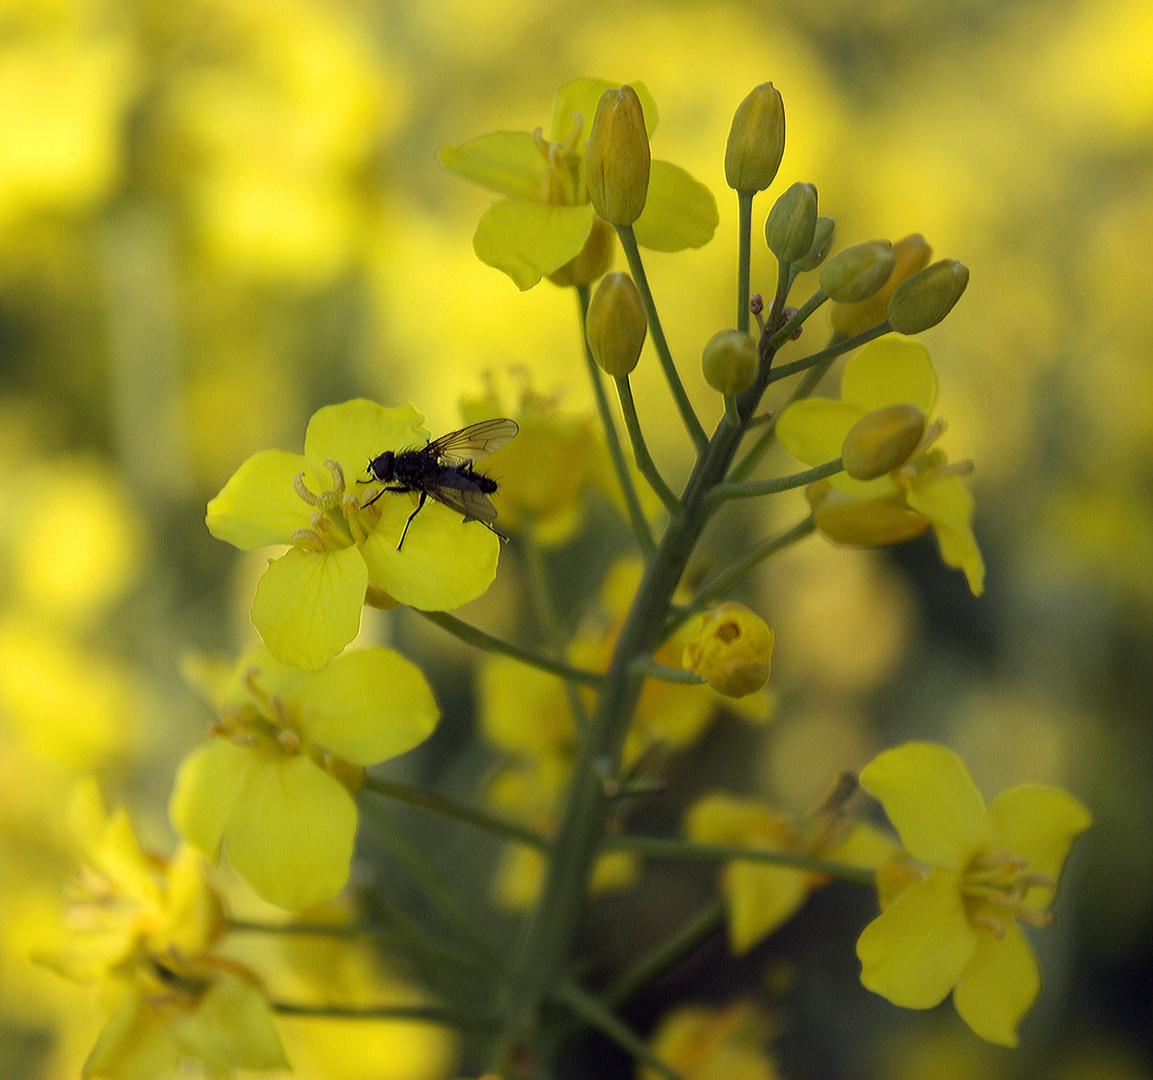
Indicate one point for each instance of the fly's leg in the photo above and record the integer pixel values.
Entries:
(419, 507)
(365, 505)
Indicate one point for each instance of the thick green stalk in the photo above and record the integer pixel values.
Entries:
(644, 459)
(744, 246)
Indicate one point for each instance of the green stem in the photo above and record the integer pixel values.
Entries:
(753, 489)
(784, 283)
(720, 583)
(650, 669)
(435, 890)
(803, 312)
(661, 848)
(479, 639)
(692, 424)
(681, 942)
(336, 930)
(744, 235)
(831, 352)
(644, 460)
(597, 1015)
(419, 1014)
(637, 517)
(446, 807)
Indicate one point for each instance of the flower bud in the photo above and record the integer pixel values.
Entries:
(823, 235)
(882, 441)
(730, 360)
(617, 158)
(591, 262)
(756, 140)
(910, 253)
(863, 522)
(857, 272)
(792, 223)
(733, 651)
(616, 324)
(927, 297)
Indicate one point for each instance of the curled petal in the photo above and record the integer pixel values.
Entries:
(948, 504)
(913, 953)
(507, 162)
(998, 986)
(292, 832)
(528, 240)
(307, 605)
(259, 505)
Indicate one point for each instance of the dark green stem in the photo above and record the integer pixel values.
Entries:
(723, 492)
(650, 669)
(478, 638)
(644, 459)
(450, 808)
(637, 517)
(672, 376)
(417, 1014)
(744, 236)
(830, 353)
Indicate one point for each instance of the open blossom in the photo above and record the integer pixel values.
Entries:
(147, 927)
(272, 786)
(545, 225)
(951, 924)
(307, 605)
(923, 492)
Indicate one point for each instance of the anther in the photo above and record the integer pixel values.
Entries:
(289, 740)
(337, 475)
(989, 923)
(301, 489)
(306, 540)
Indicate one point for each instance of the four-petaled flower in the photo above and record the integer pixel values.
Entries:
(273, 786)
(147, 926)
(953, 925)
(545, 220)
(307, 605)
(925, 491)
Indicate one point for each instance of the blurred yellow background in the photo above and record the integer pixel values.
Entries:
(218, 215)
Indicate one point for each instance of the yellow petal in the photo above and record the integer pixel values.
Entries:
(759, 899)
(506, 161)
(679, 211)
(367, 706)
(528, 240)
(232, 1027)
(354, 432)
(580, 97)
(136, 1042)
(890, 371)
(813, 430)
(932, 801)
(874, 522)
(948, 504)
(914, 952)
(208, 784)
(292, 832)
(307, 605)
(1038, 824)
(259, 506)
(998, 986)
(445, 562)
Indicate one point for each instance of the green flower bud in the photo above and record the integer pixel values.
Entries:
(616, 324)
(858, 272)
(911, 253)
(823, 236)
(927, 297)
(792, 223)
(730, 361)
(617, 158)
(756, 140)
(593, 260)
(882, 441)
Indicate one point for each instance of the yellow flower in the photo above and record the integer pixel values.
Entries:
(272, 787)
(307, 605)
(954, 925)
(732, 648)
(148, 926)
(760, 897)
(545, 219)
(701, 1042)
(924, 492)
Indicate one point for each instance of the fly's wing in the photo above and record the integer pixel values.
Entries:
(473, 442)
(461, 494)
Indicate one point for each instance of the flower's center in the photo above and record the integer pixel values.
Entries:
(995, 888)
(561, 184)
(329, 525)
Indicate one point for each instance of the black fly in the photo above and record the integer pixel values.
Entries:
(443, 469)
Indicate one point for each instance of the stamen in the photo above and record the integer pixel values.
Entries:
(573, 141)
(337, 475)
(301, 489)
(306, 540)
(289, 740)
(542, 144)
(1033, 918)
(989, 923)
